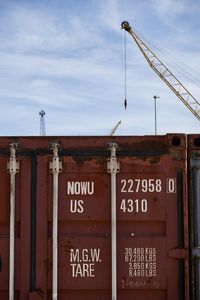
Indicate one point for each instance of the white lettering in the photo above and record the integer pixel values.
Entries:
(80, 188)
(85, 255)
(137, 185)
(74, 255)
(134, 206)
(171, 185)
(83, 261)
(76, 206)
(95, 255)
(142, 262)
(83, 270)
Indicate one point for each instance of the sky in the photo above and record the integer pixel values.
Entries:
(67, 58)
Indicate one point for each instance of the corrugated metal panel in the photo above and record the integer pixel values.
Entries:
(151, 215)
(194, 205)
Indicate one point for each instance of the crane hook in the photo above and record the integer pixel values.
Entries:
(125, 103)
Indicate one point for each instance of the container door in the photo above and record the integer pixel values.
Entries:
(152, 224)
(84, 268)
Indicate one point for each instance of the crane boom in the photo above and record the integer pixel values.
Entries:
(164, 73)
(115, 128)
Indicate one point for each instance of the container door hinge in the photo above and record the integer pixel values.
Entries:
(55, 164)
(13, 163)
(178, 253)
(113, 165)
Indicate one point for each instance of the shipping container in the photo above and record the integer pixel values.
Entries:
(95, 218)
(194, 215)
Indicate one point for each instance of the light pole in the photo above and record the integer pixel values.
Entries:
(155, 111)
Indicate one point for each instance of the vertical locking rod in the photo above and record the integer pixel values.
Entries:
(13, 168)
(55, 168)
(113, 169)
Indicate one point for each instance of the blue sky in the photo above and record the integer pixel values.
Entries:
(66, 57)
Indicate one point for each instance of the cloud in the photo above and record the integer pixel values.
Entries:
(171, 7)
(29, 29)
(67, 60)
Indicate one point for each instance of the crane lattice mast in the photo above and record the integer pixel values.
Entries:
(164, 73)
(42, 123)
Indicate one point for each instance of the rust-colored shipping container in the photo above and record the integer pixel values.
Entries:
(194, 216)
(101, 218)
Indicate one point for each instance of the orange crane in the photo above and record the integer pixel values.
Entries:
(164, 73)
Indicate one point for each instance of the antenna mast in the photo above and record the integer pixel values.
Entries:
(42, 123)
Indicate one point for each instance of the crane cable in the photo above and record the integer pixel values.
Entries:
(184, 70)
(180, 67)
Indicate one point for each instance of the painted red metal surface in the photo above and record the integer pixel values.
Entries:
(22, 227)
(152, 226)
(194, 208)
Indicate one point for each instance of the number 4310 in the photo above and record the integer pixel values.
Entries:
(134, 206)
